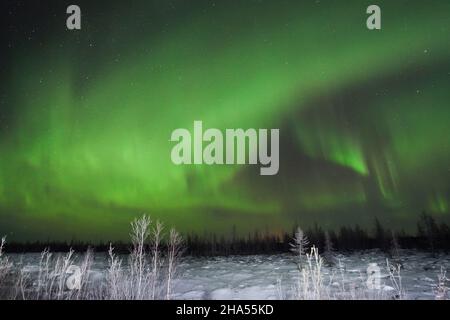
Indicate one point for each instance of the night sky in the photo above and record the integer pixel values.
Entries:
(86, 116)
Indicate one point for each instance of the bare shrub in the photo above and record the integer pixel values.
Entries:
(148, 273)
(396, 280)
(140, 277)
(5, 268)
(5, 265)
(174, 251)
(441, 290)
(115, 277)
(310, 282)
(150, 270)
(156, 238)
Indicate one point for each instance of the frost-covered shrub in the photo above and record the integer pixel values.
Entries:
(5, 265)
(148, 273)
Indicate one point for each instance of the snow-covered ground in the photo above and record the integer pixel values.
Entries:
(277, 276)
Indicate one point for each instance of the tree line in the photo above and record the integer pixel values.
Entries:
(430, 235)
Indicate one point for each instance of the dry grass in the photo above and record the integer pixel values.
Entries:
(313, 284)
(441, 290)
(147, 274)
(5, 267)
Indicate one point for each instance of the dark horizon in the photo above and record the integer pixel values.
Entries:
(430, 235)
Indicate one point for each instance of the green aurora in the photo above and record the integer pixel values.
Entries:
(86, 116)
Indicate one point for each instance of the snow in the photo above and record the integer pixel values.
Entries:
(275, 276)
(262, 277)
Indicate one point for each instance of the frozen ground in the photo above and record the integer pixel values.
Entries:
(276, 276)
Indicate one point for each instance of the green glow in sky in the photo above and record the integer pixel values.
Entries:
(363, 116)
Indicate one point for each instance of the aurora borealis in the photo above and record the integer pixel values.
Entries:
(86, 116)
